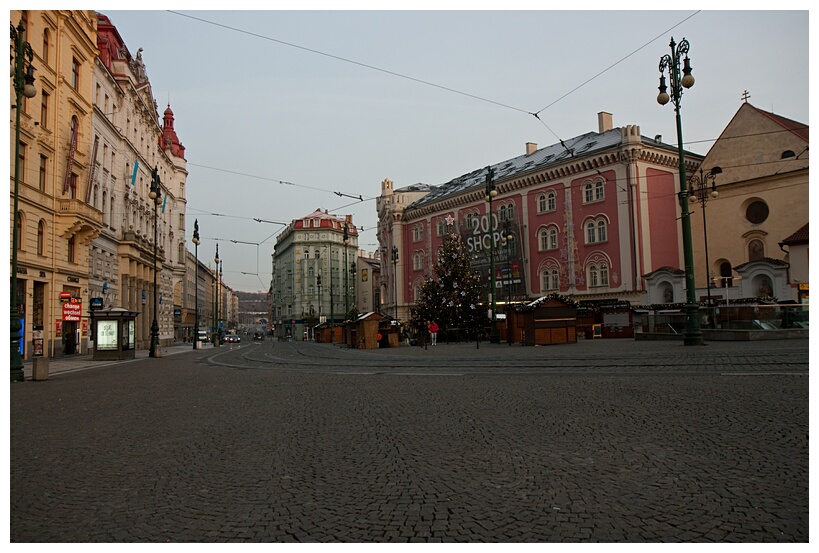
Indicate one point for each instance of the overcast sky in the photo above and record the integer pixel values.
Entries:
(280, 111)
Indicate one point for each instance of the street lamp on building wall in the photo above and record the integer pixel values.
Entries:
(395, 277)
(156, 195)
(491, 192)
(23, 73)
(693, 334)
(196, 284)
(698, 191)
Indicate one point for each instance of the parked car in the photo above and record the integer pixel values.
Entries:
(203, 336)
(258, 336)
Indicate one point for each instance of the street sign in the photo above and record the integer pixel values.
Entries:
(94, 304)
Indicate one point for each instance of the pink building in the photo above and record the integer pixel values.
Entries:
(586, 217)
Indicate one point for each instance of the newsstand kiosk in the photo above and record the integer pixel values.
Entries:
(114, 334)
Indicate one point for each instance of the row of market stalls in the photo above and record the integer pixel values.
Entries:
(557, 319)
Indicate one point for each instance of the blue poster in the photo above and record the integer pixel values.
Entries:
(22, 336)
(136, 168)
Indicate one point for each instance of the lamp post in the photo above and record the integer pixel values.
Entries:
(698, 192)
(216, 302)
(491, 192)
(395, 277)
(353, 274)
(693, 334)
(318, 283)
(332, 305)
(506, 241)
(156, 195)
(346, 240)
(196, 284)
(23, 87)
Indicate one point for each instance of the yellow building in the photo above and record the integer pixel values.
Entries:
(131, 140)
(55, 220)
(760, 166)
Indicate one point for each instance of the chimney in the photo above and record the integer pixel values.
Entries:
(531, 148)
(604, 122)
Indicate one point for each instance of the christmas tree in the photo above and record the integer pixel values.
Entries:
(452, 298)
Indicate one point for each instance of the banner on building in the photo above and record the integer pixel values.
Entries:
(75, 130)
(136, 169)
(93, 169)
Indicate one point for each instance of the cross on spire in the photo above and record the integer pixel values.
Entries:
(745, 96)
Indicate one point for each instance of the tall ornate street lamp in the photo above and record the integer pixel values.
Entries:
(346, 240)
(395, 277)
(196, 284)
(693, 334)
(506, 241)
(156, 195)
(216, 302)
(23, 73)
(332, 304)
(491, 192)
(698, 192)
(353, 274)
(318, 284)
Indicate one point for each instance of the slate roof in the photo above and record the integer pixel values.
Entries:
(581, 146)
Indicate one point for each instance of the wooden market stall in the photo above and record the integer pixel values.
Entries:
(551, 319)
(363, 332)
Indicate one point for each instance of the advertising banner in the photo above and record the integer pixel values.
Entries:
(107, 335)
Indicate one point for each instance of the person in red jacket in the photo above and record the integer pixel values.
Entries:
(433, 332)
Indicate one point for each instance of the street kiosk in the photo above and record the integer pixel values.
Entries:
(114, 334)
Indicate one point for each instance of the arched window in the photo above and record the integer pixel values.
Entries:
(551, 200)
(593, 282)
(756, 250)
(588, 193)
(726, 275)
(71, 251)
(591, 232)
(41, 237)
(20, 227)
(604, 275)
(45, 46)
(601, 230)
(599, 191)
(552, 245)
(543, 240)
(542, 203)
(418, 261)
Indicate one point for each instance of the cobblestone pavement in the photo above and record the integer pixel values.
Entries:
(603, 441)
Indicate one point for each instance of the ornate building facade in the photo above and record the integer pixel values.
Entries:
(586, 217)
(129, 143)
(314, 272)
(762, 201)
(56, 217)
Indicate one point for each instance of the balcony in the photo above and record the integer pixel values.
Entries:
(75, 217)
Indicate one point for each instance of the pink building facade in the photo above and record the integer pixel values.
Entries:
(586, 218)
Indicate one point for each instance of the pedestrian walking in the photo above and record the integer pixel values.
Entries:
(433, 332)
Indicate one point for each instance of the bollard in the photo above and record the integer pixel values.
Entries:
(39, 370)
